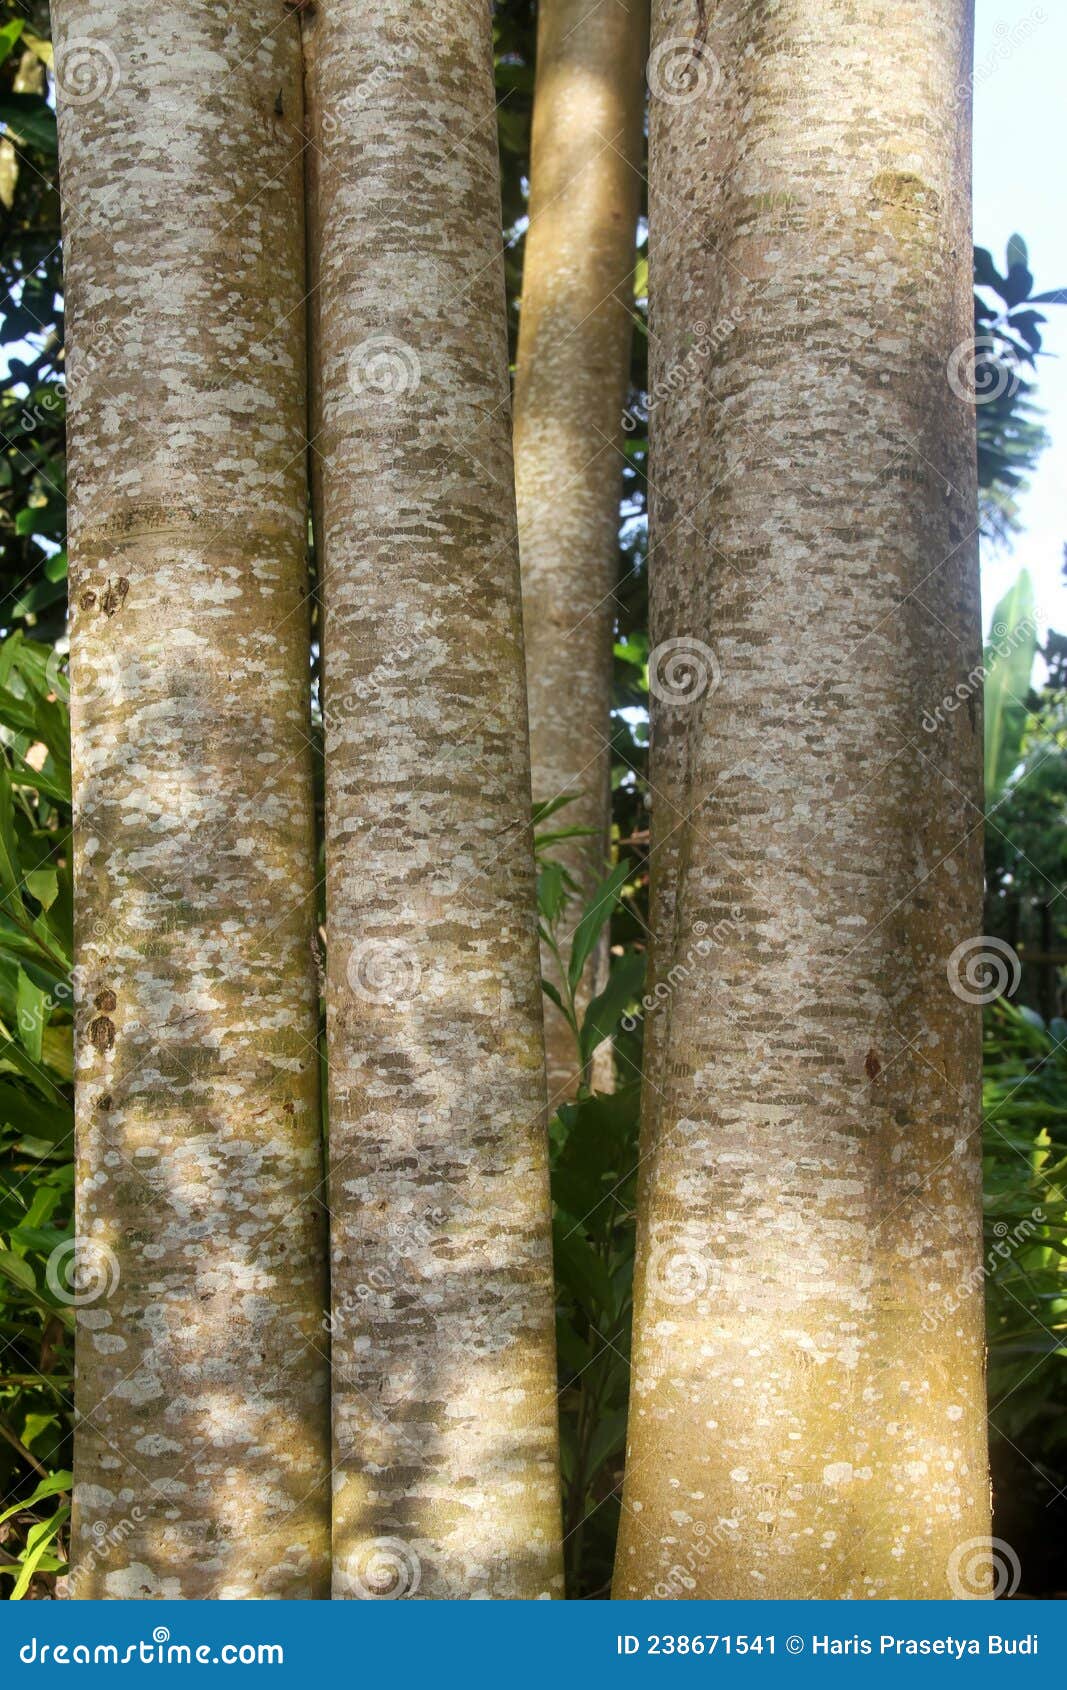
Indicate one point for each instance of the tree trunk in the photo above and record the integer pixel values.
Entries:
(808, 1414)
(445, 1435)
(202, 1438)
(572, 375)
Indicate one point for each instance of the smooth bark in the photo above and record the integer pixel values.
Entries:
(446, 1481)
(202, 1435)
(807, 1415)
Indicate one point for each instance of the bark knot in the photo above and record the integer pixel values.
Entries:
(102, 1032)
(114, 596)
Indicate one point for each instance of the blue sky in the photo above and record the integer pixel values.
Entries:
(1019, 122)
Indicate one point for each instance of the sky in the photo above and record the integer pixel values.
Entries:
(1020, 118)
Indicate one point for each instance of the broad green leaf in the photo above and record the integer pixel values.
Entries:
(30, 121)
(604, 1012)
(541, 812)
(33, 1010)
(1009, 662)
(579, 1267)
(551, 892)
(16, 1268)
(9, 36)
(26, 1113)
(43, 885)
(598, 911)
(37, 1542)
(608, 1439)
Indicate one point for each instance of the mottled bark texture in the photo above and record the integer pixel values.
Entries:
(807, 1415)
(202, 1436)
(444, 1370)
(571, 381)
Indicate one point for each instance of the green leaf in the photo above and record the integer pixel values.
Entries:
(541, 812)
(22, 1273)
(609, 1438)
(43, 884)
(1009, 662)
(551, 892)
(9, 36)
(33, 1010)
(57, 1484)
(605, 1010)
(1017, 253)
(598, 911)
(599, 1153)
(30, 121)
(9, 851)
(37, 1542)
(573, 1351)
(579, 1267)
(31, 1115)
